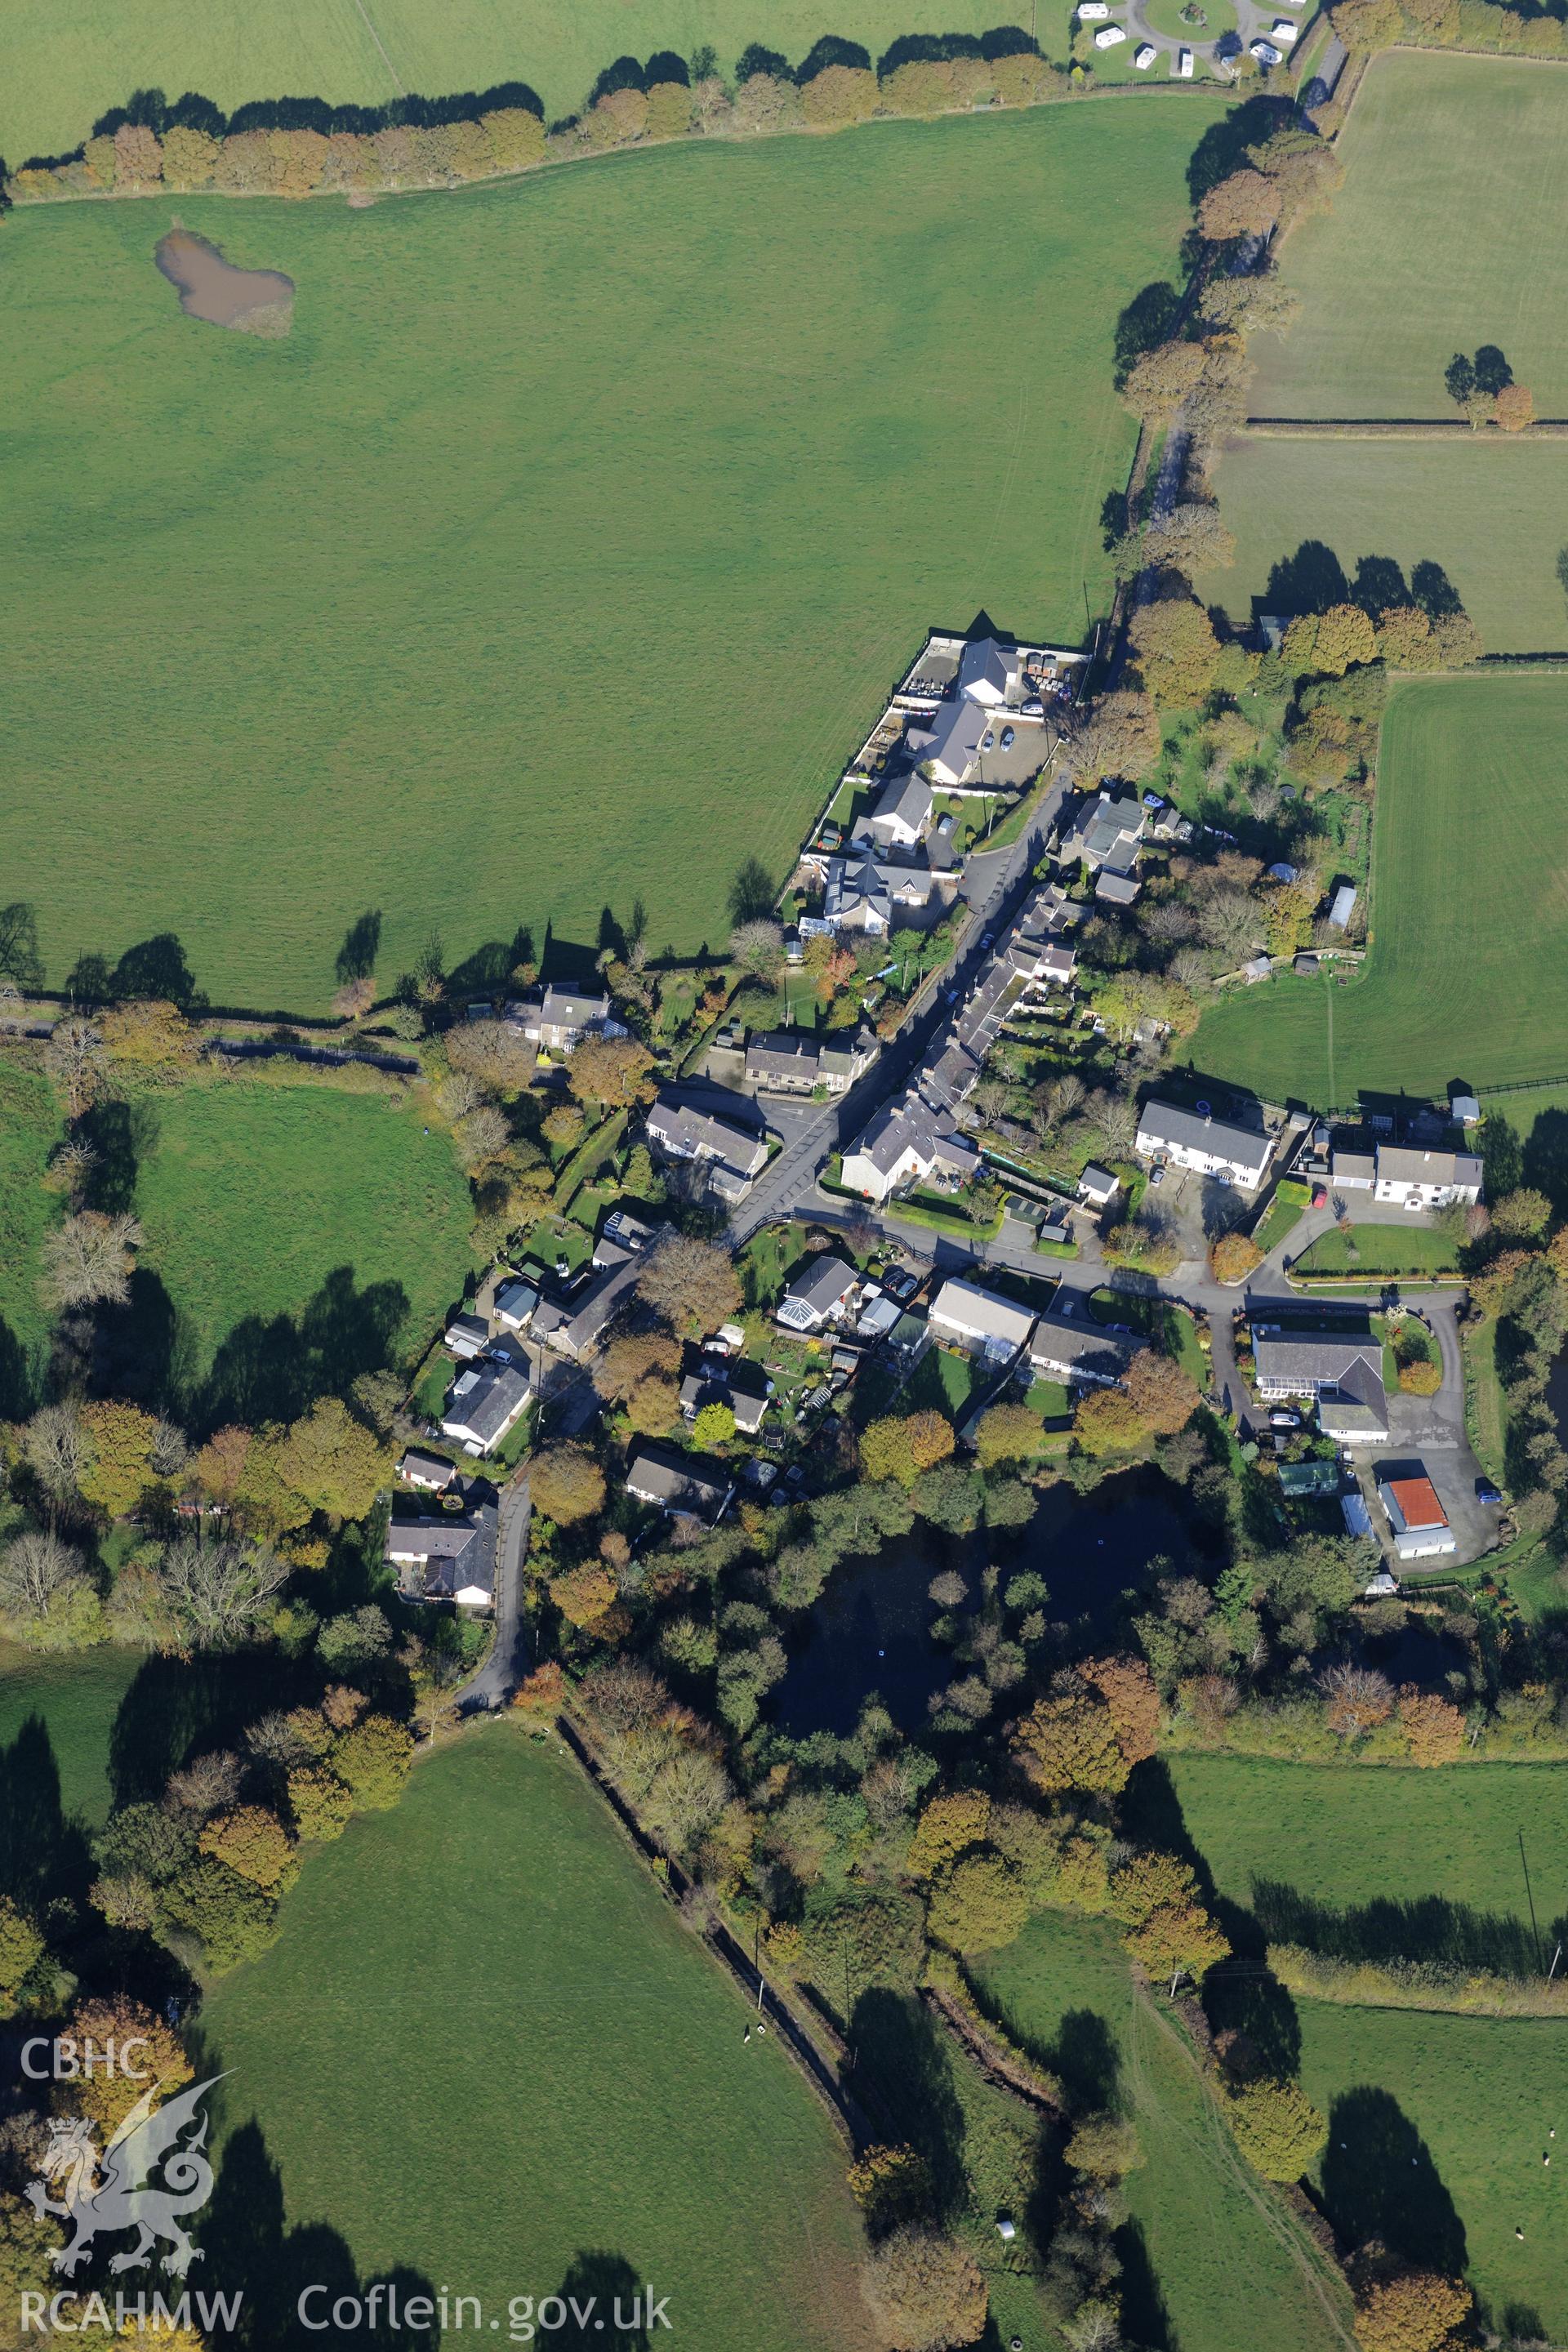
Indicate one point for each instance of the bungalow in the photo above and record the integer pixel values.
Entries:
(1116, 889)
(449, 1558)
(980, 1322)
(901, 818)
(795, 1062)
(1418, 1522)
(467, 1336)
(1098, 1186)
(683, 1484)
(432, 1471)
(1342, 1372)
(1078, 1352)
(516, 1304)
(1426, 1179)
(825, 1293)
(487, 1400)
(1196, 1139)
(558, 1019)
(904, 1144)
(728, 1384)
(733, 1157)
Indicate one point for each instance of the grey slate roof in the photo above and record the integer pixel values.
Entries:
(1081, 1349)
(819, 1289)
(484, 1398)
(1166, 1124)
(677, 1481)
(455, 1549)
(1398, 1166)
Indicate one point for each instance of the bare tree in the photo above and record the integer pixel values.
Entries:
(75, 1058)
(52, 1443)
(208, 1785)
(1064, 1095)
(216, 1593)
(756, 946)
(38, 1571)
(88, 1260)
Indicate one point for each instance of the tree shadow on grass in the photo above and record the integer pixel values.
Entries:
(1451, 1934)
(901, 2048)
(274, 1369)
(44, 1853)
(1379, 2181)
(179, 1707)
(1144, 2315)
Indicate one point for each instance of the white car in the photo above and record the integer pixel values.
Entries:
(1108, 34)
(1145, 57)
(1183, 68)
(1266, 53)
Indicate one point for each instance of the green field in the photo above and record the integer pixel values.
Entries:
(562, 551)
(1481, 2094)
(292, 1234)
(1491, 509)
(1375, 1249)
(1413, 261)
(1466, 977)
(1325, 1829)
(485, 2045)
(1229, 2272)
(29, 1123)
(91, 55)
(77, 1699)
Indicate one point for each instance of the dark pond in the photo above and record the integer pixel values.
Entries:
(870, 1630)
(256, 302)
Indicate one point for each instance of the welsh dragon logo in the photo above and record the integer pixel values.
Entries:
(101, 2196)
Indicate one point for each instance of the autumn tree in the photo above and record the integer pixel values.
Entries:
(330, 1462)
(1007, 1432)
(902, 1448)
(1233, 1256)
(373, 1759)
(1157, 383)
(138, 157)
(1367, 25)
(1131, 1701)
(653, 1407)
(566, 1483)
(926, 2292)
(1190, 539)
(1358, 1699)
(1246, 205)
(1068, 1741)
(89, 1260)
(582, 1594)
(319, 1803)
(691, 1284)
(47, 1601)
(1106, 1420)
(1169, 1930)
(1415, 2312)
(892, 2187)
(21, 1948)
(152, 1037)
(1122, 739)
(610, 1071)
(252, 1842)
(947, 1826)
(118, 1442)
(516, 137)
(839, 95)
(1176, 651)
(1277, 2127)
(1164, 1396)
(217, 1594)
(189, 157)
(1433, 1726)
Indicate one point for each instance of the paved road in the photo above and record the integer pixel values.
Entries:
(995, 884)
(506, 1666)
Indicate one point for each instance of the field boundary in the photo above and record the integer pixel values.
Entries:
(1395, 429)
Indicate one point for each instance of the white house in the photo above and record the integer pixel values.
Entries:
(1098, 1186)
(1420, 1524)
(1265, 52)
(989, 672)
(733, 1157)
(1209, 1146)
(979, 1320)
(823, 1292)
(1093, 11)
(430, 1471)
(1079, 1352)
(901, 818)
(1341, 1371)
(452, 1557)
(1426, 1180)
(905, 1143)
(488, 1399)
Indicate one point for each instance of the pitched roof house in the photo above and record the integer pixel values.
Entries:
(822, 1293)
(487, 1400)
(560, 1018)
(1426, 1179)
(1196, 1139)
(904, 1144)
(1080, 1352)
(684, 1484)
(733, 1156)
(978, 1319)
(1342, 1370)
(448, 1556)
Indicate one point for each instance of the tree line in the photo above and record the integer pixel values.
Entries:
(301, 147)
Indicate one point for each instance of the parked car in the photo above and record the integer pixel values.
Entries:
(1285, 1420)
(1156, 1175)
(1009, 736)
(1486, 1492)
(987, 939)
(988, 743)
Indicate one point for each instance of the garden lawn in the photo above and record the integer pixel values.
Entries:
(30, 1126)
(93, 54)
(1324, 1830)
(567, 2072)
(1230, 2270)
(1491, 509)
(568, 542)
(252, 1198)
(1467, 976)
(77, 1699)
(1446, 2121)
(1369, 1250)
(1407, 265)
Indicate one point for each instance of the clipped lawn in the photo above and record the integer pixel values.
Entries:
(93, 54)
(1373, 1249)
(30, 1126)
(298, 1212)
(1489, 508)
(76, 1700)
(1325, 1829)
(568, 543)
(1467, 975)
(1411, 262)
(484, 2044)
(1224, 2269)
(1446, 2122)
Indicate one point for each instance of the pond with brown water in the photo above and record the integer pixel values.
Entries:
(255, 301)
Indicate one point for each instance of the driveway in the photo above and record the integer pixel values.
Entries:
(497, 1679)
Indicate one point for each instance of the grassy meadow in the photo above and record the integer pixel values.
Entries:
(1467, 976)
(292, 1236)
(91, 55)
(1446, 2121)
(1445, 235)
(1325, 1830)
(563, 549)
(1491, 509)
(566, 2073)
(1215, 2265)
(30, 1123)
(75, 1699)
